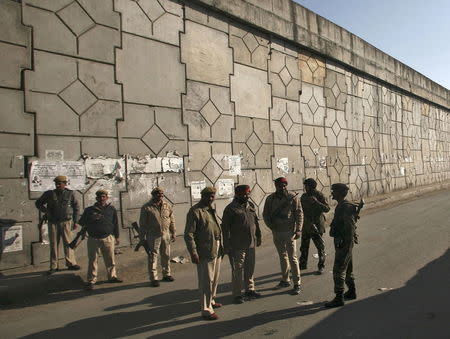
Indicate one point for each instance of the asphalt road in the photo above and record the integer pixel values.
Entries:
(404, 249)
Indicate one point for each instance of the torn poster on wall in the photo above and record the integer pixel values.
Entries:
(225, 187)
(12, 240)
(196, 188)
(172, 164)
(234, 164)
(283, 165)
(144, 164)
(100, 167)
(43, 172)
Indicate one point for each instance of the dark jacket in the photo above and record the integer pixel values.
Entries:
(202, 232)
(100, 221)
(240, 226)
(343, 225)
(283, 213)
(59, 206)
(313, 212)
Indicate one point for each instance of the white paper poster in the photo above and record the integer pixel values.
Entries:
(97, 168)
(12, 239)
(234, 164)
(172, 164)
(145, 164)
(43, 173)
(196, 188)
(283, 165)
(54, 155)
(225, 187)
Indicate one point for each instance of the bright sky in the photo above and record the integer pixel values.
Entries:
(415, 32)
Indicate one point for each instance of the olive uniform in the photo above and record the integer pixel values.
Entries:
(313, 226)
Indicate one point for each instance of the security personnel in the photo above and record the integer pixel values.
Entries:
(204, 243)
(241, 234)
(314, 205)
(102, 226)
(284, 216)
(158, 224)
(342, 229)
(62, 212)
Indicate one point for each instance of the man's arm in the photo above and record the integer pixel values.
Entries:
(172, 229)
(322, 202)
(143, 221)
(116, 224)
(298, 214)
(258, 231)
(189, 235)
(42, 202)
(266, 212)
(226, 229)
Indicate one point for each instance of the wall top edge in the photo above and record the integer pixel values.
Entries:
(290, 21)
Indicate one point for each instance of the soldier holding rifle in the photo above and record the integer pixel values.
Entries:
(284, 216)
(101, 224)
(61, 209)
(342, 229)
(314, 205)
(157, 224)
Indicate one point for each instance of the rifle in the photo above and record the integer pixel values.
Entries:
(142, 240)
(81, 234)
(358, 209)
(41, 222)
(279, 208)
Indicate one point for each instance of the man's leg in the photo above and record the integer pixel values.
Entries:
(293, 260)
(165, 255)
(304, 250)
(320, 245)
(66, 234)
(341, 260)
(205, 269)
(350, 281)
(215, 278)
(92, 248)
(236, 274)
(53, 239)
(154, 243)
(280, 245)
(107, 248)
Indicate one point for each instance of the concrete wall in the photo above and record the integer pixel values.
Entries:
(139, 84)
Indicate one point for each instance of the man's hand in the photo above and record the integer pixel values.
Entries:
(195, 259)
(173, 237)
(258, 242)
(313, 198)
(117, 241)
(75, 226)
(297, 235)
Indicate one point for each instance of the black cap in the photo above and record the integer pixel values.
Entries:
(339, 187)
(310, 182)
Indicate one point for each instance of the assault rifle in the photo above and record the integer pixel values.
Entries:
(358, 209)
(142, 241)
(76, 241)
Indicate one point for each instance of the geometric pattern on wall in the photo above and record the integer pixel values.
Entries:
(208, 112)
(249, 48)
(335, 128)
(160, 20)
(284, 75)
(151, 130)
(286, 121)
(314, 147)
(312, 105)
(312, 68)
(335, 90)
(78, 28)
(252, 139)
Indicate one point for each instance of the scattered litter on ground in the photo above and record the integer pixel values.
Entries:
(117, 251)
(304, 302)
(385, 288)
(316, 255)
(179, 259)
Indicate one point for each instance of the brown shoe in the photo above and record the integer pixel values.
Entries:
(89, 286)
(212, 316)
(217, 305)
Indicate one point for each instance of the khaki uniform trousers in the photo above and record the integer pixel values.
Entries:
(106, 247)
(287, 251)
(208, 278)
(243, 261)
(56, 231)
(158, 245)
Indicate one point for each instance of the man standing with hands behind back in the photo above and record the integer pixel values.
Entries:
(284, 216)
(203, 237)
(62, 212)
(158, 224)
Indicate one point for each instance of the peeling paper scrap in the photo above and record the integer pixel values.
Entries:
(283, 165)
(385, 288)
(234, 164)
(12, 239)
(304, 302)
(225, 187)
(172, 164)
(54, 154)
(179, 259)
(196, 188)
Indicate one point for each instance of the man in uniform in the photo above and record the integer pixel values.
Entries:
(314, 205)
(342, 229)
(204, 243)
(62, 212)
(101, 224)
(158, 225)
(284, 216)
(241, 233)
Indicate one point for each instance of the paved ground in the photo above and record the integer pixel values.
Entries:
(405, 248)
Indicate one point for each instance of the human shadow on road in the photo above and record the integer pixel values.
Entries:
(417, 310)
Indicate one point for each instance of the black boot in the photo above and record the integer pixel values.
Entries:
(337, 301)
(350, 294)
